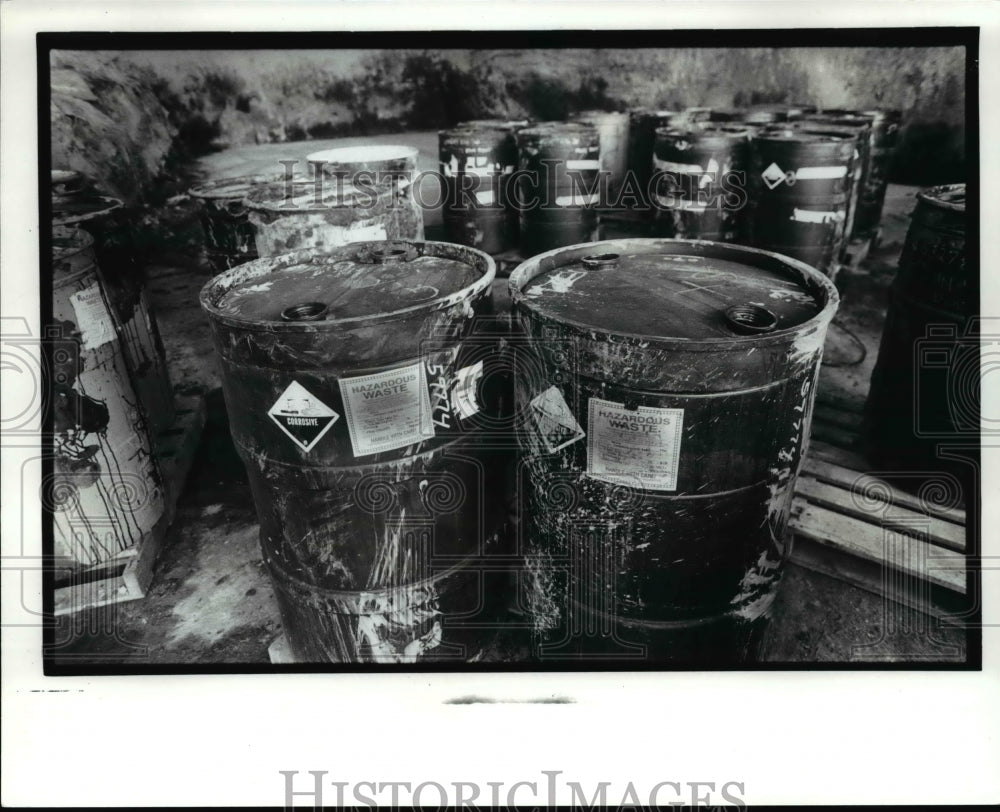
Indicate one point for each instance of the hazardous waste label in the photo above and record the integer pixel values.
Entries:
(636, 447)
(302, 415)
(387, 410)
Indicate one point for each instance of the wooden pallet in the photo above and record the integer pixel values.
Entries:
(127, 577)
(852, 524)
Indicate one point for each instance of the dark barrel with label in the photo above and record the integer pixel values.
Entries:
(76, 203)
(106, 493)
(861, 126)
(925, 388)
(666, 397)
(354, 384)
(229, 234)
(477, 162)
(800, 190)
(558, 186)
(882, 137)
(700, 182)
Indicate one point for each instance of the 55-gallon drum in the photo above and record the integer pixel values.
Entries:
(292, 215)
(229, 234)
(800, 192)
(925, 387)
(354, 387)
(700, 182)
(107, 490)
(666, 405)
(391, 166)
(477, 162)
(558, 188)
(75, 204)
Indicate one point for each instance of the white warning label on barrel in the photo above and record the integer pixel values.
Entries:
(557, 428)
(638, 447)
(302, 415)
(387, 410)
(92, 317)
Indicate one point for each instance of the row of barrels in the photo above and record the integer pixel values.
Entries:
(607, 468)
(790, 180)
(798, 182)
(108, 387)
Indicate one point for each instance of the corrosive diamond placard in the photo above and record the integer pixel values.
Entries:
(773, 175)
(302, 415)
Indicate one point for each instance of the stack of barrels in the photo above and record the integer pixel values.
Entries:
(111, 393)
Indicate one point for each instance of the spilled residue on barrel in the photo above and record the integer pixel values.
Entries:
(663, 526)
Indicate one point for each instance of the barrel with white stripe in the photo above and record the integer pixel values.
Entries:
(477, 162)
(642, 127)
(700, 182)
(613, 131)
(800, 187)
(559, 185)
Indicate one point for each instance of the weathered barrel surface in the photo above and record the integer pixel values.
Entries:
(558, 190)
(800, 190)
(861, 126)
(701, 175)
(643, 124)
(229, 234)
(479, 209)
(298, 214)
(666, 402)
(106, 490)
(925, 387)
(354, 384)
(390, 165)
(879, 145)
(77, 204)
(613, 130)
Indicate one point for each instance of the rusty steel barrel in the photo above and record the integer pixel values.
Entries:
(925, 387)
(122, 276)
(477, 163)
(354, 384)
(392, 166)
(879, 142)
(613, 130)
(666, 405)
(558, 185)
(229, 234)
(642, 127)
(862, 127)
(800, 189)
(106, 492)
(297, 214)
(700, 182)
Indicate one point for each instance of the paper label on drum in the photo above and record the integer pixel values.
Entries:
(387, 410)
(635, 447)
(92, 317)
(302, 416)
(556, 426)
(464, 402)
